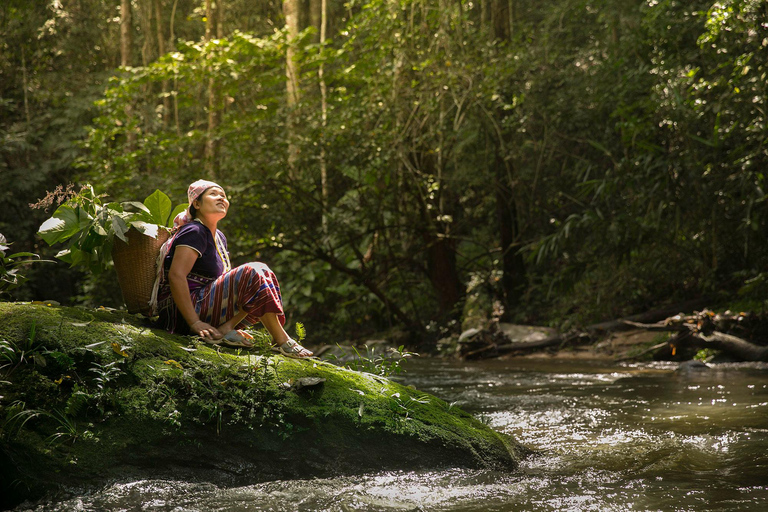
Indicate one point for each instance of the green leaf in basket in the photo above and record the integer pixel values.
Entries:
(146, 228)
(64, 223)
(159, 206)
(120, 227)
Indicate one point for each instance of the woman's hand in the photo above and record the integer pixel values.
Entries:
(206, 330)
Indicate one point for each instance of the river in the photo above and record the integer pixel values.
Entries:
(609, 437)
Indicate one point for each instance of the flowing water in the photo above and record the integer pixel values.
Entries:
(610, 438)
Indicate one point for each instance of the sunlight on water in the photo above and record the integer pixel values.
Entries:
(609, 438)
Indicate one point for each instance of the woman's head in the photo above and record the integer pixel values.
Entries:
(195, 197)
(197, 188)
(211, 202)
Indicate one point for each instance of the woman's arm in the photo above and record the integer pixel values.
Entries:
(183, 260)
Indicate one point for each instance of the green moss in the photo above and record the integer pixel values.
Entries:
(115, 395)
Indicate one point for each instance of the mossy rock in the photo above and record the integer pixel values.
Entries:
(92, 396)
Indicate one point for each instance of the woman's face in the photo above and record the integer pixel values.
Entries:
(212, 203)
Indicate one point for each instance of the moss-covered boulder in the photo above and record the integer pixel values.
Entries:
(91, 396)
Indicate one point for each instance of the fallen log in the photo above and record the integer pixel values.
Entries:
(699, 331)
(659, 326)
(488, 345)
(743, 349)
(647, 317)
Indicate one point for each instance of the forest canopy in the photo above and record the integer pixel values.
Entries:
(572, 162)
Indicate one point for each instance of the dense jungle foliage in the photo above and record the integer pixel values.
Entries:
(576, 160)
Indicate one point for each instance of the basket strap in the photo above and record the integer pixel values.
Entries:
(159, 267)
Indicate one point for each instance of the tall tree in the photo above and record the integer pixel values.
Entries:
(292, 13)
(161, 52)
(126, 33)
(514, 279)
(126, 60)
(325, 193)
(211, 143)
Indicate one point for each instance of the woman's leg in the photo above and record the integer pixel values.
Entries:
(275, 328)
(240, 297)
(245, 295)
(282, 340)
(232, 323)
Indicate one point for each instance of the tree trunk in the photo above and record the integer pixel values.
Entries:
(291, 10)
(317, 11)
(161, 52)
(513, 280)
(441, 260)
(500, 19)
(126, 39)
(211, 145)
(145, 22)
(126, 45)
(172, 38)
(324, 116)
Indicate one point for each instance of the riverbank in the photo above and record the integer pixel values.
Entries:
(723, 336)
(93, 396)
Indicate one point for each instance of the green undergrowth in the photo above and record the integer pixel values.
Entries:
(87, 389)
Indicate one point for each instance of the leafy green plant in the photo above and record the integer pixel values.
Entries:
(17, 415)
(65, 431)
(91, 225)
(378, 363)
(104, 375)
(705, 354)
(404, 406)
(29, 352)
(11, 264)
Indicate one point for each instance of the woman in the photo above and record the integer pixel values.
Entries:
(202, 294)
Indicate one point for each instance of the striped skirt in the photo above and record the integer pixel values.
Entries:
(252, 288)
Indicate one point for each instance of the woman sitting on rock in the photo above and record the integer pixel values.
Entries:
(198, 292)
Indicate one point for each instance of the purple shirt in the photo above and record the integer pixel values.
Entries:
(200, 239)
(208, 266)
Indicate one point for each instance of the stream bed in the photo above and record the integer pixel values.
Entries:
(608, 436)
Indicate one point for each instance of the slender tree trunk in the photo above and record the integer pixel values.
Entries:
(126, 39)
(440, 242)
(161, 52)
(501, 18)
(317, 9)
(211, 144)
(25, 86)
(126, 45)
(145, 21)
(172, 39)
(513, 280)
(324, 116)
(291, 10)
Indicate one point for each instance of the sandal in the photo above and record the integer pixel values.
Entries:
(237, 339)
(291, 348)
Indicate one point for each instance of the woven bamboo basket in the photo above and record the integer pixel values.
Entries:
(135, 265)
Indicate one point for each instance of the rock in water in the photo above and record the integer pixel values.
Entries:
(98, 397)
(692, 366)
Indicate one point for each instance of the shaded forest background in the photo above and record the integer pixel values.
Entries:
(567, 162)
